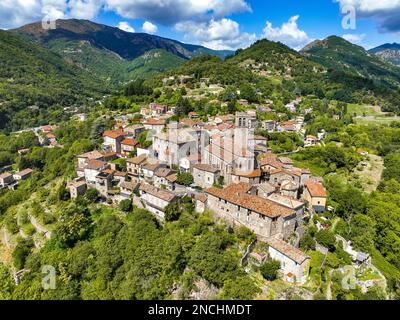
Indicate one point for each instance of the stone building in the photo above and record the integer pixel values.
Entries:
(238, 205)
(77, 188)
(315, 195)
(205, 175)
(293, 261)
(156, 200)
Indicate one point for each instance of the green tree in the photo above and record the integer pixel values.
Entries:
(269, 269)
(92, 195)
(125, 205)
(326, 238)
(172, 212)
(185, 178)
(240, 288)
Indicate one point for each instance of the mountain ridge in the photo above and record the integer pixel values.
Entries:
(389, 52)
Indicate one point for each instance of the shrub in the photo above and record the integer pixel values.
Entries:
(269, 269)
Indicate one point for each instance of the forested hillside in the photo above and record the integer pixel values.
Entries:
(36, 84)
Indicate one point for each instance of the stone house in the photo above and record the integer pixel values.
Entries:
(293, 261)
(205, 175)
(200, 202)
(93, 168)
(269, 125)
(104, 182)
(310, 141)
(92, 155)
(134, 130)
(252, 178)
(316, 196)
(128, 189)
(128, 145)
(156, 200)
(165, 178)
(6, 179)
(112, 140)
(23, 175)
(148, 171)
(135, 165)
(155, 125)
(238, 205)
(77, 188)
(265, 189)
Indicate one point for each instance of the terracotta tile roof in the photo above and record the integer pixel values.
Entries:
(155, 122)
(129, 142)
(237, 195)
(129, 185)
(114, 134)
(158, 193)
(286, 201)
(200, 197)
(188, 122)
(291, 252)
(24, 172)
(315, 189)
(152, 166)
(91, 155)
(77, 184)
(94, 164)
(286, 160)
(253, 174)
(206, 167)
(5, 175)
(164, 172)
(270, 159)
(137, 160)
(50, 136)
(172, 177)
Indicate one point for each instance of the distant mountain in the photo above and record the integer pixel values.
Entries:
(108, 51)
(389, 52)
(36, 84)
(338, 54)
(333, 69)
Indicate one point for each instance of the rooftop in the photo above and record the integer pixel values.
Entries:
(315, 189)
(206, 167)
(158, 193)
(91, 155)
(286, 201)
(129, 142)
(238, 195)
(24, 172)
(94, 164)
(137, 160)
(114, 134)
(288, 250)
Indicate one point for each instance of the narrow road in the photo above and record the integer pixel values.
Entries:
(39, 227)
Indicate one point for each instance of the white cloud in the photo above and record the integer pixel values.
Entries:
(223, 34)
(148, 27)
(289, 33)
(170, 12)
(354, 38)
(385, 12)
(125, 26)
(84, 9)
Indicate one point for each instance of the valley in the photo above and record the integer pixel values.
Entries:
(143, 168)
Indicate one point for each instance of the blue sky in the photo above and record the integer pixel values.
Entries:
(224, 24)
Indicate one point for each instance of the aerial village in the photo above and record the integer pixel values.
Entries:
(235, 175)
